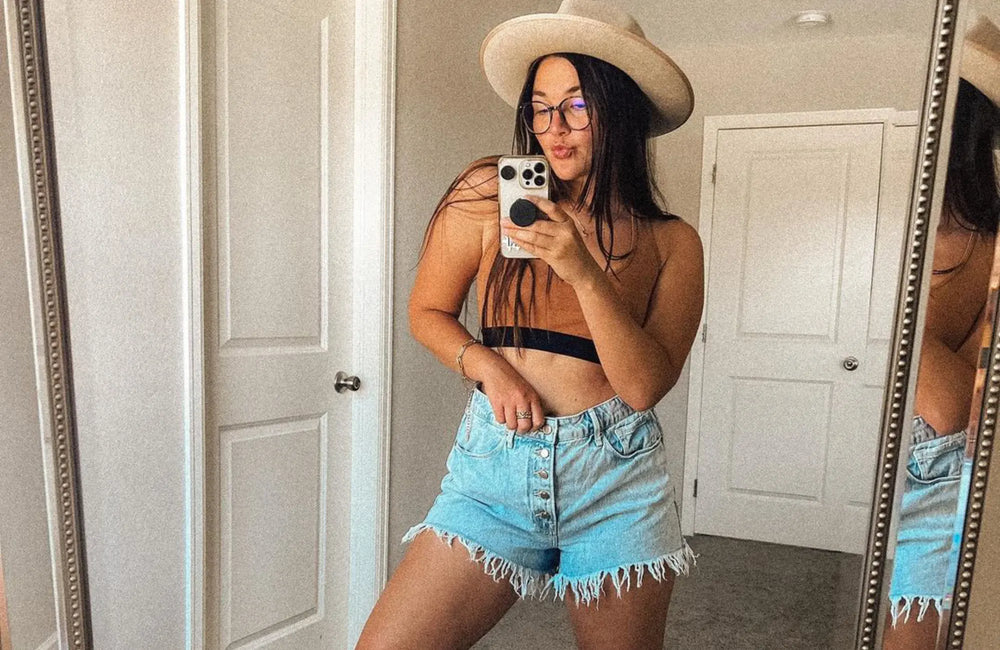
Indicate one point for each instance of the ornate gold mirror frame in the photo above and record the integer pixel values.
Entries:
(50, 324)
(925, 208)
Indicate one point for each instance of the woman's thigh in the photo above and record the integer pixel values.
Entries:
(437, 598)
(636, 621)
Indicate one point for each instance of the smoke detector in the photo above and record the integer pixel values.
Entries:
(812, 18)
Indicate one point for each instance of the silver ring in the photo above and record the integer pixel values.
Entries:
(523, 415)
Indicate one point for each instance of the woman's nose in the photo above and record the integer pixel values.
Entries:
(558, 123)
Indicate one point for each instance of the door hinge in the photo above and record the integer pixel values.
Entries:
(714, 167)
(695, 488)
(704, 332)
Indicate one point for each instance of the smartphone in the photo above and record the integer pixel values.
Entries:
(520, 176)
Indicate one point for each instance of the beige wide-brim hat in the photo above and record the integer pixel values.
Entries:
(981, 57)
(596, 29)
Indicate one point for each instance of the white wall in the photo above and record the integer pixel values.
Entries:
(24, 537)
(116, 82)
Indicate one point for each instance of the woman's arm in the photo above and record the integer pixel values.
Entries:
(944, 386)
(446, 270)
(643, 362)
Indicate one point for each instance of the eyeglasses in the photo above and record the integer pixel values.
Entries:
(537, 115)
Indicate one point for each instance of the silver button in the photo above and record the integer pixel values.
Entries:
(541, 514)
(543, 494)
(546, 429)
(542, 473)
(544, 453)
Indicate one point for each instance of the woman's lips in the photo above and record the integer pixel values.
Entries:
(561, 152)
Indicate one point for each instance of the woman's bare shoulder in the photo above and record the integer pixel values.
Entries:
(474, 190)
(461, 220)
(675, 237)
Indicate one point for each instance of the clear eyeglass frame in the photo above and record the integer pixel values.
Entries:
(537, 115)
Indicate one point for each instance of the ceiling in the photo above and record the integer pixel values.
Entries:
(693, 22)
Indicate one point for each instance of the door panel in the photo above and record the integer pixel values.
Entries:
(278, 81)
(789, 284)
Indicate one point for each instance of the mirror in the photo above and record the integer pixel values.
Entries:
(272, 455)
(27, 602)
(43, 588)
(959, 311)
(735, 82)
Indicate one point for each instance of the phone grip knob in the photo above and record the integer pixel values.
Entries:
(523, 212)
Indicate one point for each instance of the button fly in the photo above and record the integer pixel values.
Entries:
(541, 514)
(542, 473)
(544, 453)
(543, 494)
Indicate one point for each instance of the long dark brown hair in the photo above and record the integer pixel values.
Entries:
(971, 192)
(621, 180)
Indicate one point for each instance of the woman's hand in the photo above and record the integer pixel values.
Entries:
(556, 241)
(511, 395)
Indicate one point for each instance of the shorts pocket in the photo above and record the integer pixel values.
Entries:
(635, 436)
(937, 461)
(480, 440)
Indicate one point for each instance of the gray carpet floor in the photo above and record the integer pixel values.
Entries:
(743, 595)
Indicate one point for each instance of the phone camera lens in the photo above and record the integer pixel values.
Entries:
(527, 174)
(508, 172)
(539, 167)
(539, 180)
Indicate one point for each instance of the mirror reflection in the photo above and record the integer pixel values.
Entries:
(27, 593)
(706, 386)
(777, 415)
(958, 320)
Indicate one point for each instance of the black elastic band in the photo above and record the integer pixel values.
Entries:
(545, 340)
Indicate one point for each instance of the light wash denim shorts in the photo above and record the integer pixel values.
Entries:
(926, 562)
(585, 497)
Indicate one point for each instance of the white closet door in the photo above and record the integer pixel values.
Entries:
(788, 432)
(279, 107)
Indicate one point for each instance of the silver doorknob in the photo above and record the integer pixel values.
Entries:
(851, 363)
(343, 382)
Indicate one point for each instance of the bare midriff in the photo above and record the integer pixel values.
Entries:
(566, 385)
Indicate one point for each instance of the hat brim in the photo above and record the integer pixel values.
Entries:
(508, 51)
(981, 58)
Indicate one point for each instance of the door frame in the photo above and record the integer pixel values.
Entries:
(372, 271)
(713, 125)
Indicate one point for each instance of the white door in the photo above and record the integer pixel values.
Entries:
(788, 432)
(278, 107)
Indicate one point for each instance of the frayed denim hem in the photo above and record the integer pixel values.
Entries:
(526, 582)
(588, 588)
(902, 605)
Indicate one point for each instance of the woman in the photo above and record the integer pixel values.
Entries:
(926, 559)
(557, 479)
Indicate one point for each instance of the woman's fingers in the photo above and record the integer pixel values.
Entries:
(510, 419)
(551, 209)
(498, 412)
(537, 415)
(527, 417)
(530, 240)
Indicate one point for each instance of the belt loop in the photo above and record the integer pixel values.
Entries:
(598, 427)
(510, 437)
